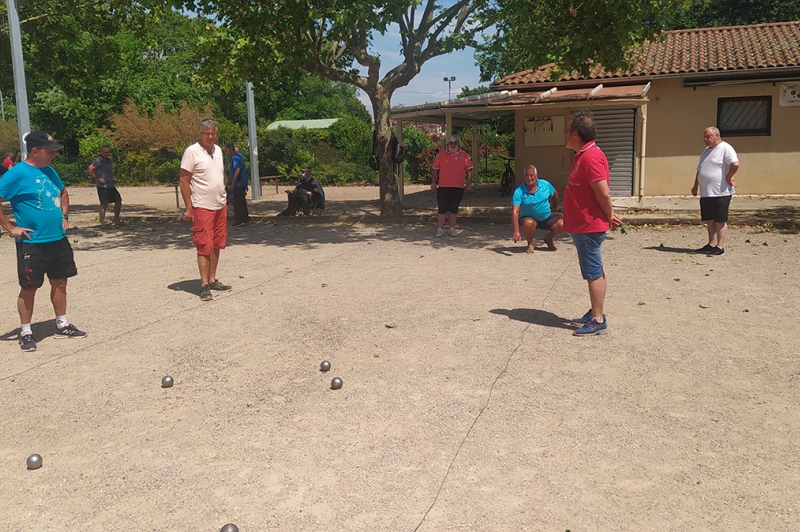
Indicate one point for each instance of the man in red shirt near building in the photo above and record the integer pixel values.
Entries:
(588, 213)
(449, 170)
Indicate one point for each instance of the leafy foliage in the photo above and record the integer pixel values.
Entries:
(135, 129)
(574, 36)
(710, 13)
(268, 40)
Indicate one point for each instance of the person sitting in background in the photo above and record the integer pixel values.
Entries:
(307, 191)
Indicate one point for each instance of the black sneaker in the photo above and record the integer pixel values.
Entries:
(27, 343)
(708, 248)
(716, 252)
(69, 331)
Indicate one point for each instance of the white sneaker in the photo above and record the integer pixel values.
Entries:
(452, 231)
(440, 232)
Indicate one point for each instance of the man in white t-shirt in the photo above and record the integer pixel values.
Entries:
(714, 178)
(203, 189)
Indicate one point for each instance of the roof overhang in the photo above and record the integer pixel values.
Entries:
(477, 108)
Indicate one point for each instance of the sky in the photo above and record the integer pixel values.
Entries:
(427, 86)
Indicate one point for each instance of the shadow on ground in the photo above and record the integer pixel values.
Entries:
(190, 286)
(535, 317)
(157, 233)
(668, 249)
(41, 330)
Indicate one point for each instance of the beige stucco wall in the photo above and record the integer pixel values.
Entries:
(676, 119)
(552, 162)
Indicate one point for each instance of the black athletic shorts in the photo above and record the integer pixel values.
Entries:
(715, 208)
(108, 195)
(546, 224)
(449, 198)
(52, 258)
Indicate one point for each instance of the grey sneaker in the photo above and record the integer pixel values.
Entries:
(27, 343)
(218, 286)
(439, 232)
(452, 231)
(69, 331)
(205, 293)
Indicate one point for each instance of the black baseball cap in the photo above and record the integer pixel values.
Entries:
(40, 139)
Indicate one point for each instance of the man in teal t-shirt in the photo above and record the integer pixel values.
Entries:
(41, 205)
(532, 205)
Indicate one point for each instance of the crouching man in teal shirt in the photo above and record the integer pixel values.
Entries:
(41, 212)
(532, 206)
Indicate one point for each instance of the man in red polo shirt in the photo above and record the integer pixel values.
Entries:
(449, 169)
(588, 213)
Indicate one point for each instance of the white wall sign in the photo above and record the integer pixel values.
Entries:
(544, 131)
(790, 94)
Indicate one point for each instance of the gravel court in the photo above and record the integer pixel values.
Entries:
(606, 433)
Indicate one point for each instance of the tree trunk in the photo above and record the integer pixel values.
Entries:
(389, 191)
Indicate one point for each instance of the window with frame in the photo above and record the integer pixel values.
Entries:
(747, 116)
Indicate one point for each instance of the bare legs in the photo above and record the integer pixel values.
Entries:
(717, 233)
(597, 295)
(529, 230)
(117, 209)
(452, 219)
(58, 297)
(208, 267)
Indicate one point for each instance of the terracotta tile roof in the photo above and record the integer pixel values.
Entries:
(755, 47)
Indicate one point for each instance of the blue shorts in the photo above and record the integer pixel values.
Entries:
(588, 246)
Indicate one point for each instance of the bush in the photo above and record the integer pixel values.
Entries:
(146, 168)
(72, 170)
(352, 137)
(417, 141)
(343, 173)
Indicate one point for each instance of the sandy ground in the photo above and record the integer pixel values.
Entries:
(477, 410)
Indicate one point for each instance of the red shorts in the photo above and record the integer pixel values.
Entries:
(209, 229)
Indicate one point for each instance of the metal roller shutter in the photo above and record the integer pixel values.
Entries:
(616, 132)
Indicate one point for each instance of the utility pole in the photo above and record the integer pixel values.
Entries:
(255, 180)
(20, 88)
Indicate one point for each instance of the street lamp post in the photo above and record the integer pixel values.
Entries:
(449, 81)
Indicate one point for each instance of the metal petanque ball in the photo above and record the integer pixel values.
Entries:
(336, 383)
(325, 366)
(34, 461)
(230, 527)
(167, 382)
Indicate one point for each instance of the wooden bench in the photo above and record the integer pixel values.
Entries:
(277, 180)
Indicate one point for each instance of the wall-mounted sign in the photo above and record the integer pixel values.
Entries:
(790, 94)
(544, 131)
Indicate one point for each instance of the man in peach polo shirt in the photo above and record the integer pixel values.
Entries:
(203, 189)
(450, 168)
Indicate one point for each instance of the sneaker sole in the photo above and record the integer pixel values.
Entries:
(596, 333)
(65, 336)
(27, 350)
(222, 289)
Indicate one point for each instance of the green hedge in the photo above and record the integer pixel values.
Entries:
(135, 168)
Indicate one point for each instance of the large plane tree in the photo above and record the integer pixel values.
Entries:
(333, 39)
